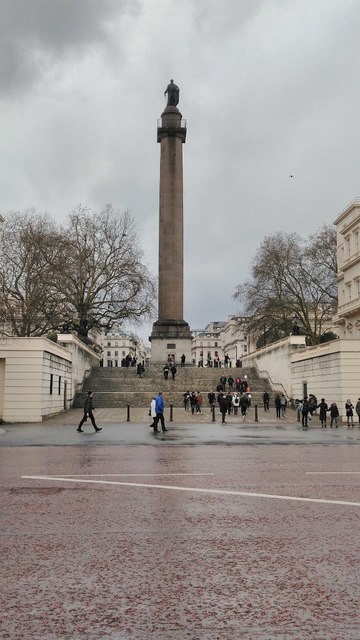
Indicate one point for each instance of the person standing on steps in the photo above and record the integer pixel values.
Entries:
(166, 371)
(88, 412)
(173, 371)
(182, 361)
(159, 408)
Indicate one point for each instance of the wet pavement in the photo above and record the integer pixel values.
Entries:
(124, 535)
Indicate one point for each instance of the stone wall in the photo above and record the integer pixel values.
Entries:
(274, 362)
(330, 371)
(39, 378)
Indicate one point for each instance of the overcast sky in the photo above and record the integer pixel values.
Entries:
(269, 89)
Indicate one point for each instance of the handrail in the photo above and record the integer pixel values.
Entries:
(279, 384)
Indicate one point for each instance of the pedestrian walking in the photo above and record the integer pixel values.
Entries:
(159, 409)
(230, 382)
(88, 412)
(223, 407)
(166, 371)
(182, 360)
(152, 413)
(243, 405)
(349, 410)
(173, 371)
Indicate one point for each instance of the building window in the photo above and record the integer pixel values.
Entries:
(348, 291)
(124, 354)
(356, 237)
(51, 383)
(109, 344)
(358, 287)
(59, 385)
(109, 363)
(108, 353)
(347, 247)
(244, 349)
(216, 345)
(116, 353)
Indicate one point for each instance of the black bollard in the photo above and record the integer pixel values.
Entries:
(171, 413)
(128, 413)
(256, 414)
(213, 413)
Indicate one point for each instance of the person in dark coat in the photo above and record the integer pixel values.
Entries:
(266, 399)
(349, 410)
(223, 406)
(166, 371)
(322, 415)
(244, 403)
(278, 405)
(173, 371)
(357, 409)
(334, 414)
(305, 412)
(88, 412)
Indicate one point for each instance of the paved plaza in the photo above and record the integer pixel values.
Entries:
(244, 530)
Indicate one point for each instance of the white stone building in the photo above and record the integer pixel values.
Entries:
(330, 370)
(220, 339)
(117, 344)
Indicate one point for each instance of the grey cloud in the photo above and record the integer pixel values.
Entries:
(36, 33)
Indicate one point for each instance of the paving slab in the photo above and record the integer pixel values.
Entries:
(209, 532)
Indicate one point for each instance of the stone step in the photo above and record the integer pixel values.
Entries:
(119, 387)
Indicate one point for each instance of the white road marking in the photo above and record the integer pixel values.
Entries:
(221, 492)
(324, 473)
(130, 475)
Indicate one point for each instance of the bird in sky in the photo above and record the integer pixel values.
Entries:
(291, 176)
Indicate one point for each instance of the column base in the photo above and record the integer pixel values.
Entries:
(170, 338)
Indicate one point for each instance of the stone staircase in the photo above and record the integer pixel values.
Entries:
(119, 387)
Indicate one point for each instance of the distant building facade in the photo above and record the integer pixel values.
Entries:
(220, 342)
(347, 225)
(117, 344)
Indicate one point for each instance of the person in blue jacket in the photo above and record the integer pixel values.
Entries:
(159, 408)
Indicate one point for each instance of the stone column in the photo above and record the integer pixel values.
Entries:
(171, 334)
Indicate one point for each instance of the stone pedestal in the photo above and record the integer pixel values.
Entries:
(171, 334)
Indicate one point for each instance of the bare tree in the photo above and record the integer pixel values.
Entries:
(99, 275)
(292, 279)
(28, 304)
